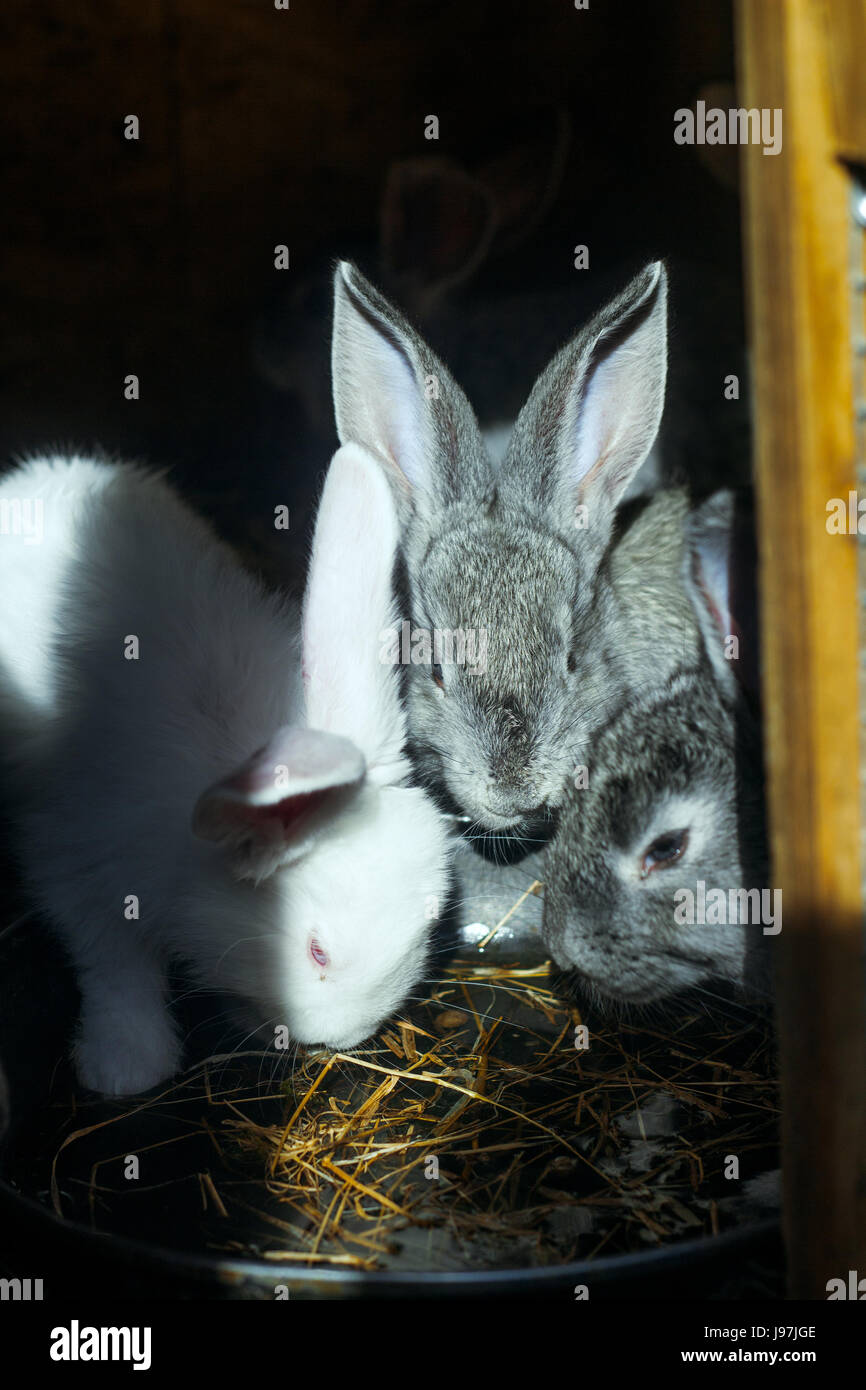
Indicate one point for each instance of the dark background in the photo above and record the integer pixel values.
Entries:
(306, 127)
(261, 126)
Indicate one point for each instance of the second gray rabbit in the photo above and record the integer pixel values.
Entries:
(674, 801)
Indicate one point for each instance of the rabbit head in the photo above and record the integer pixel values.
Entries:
(351, 865)
(504, 555)
(674, 799)
(667, 806)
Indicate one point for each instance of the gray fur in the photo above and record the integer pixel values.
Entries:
(640, 625)
(504, 549)
(720, 577)
(681, 754)
(683, 747)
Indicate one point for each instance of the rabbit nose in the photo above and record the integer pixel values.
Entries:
(508, 797)
(527, 804)
(509, 767)
(560, 956)
(554, 936)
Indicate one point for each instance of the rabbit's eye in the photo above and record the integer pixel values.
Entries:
(571, 662)
(436, 673)
(319, 955)
(664, 851)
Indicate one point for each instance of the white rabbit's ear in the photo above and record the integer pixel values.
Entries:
(593, 415)
(719, 576)
(273, 806)
(350, 681)
(394, 397)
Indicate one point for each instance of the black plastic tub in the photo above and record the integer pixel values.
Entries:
(68, 1255)
(740, 1263)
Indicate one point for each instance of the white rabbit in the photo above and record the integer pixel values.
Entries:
(179, 793)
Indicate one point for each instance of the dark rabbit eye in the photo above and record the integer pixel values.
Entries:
(436, 673)
(664, 851)
(571, 662)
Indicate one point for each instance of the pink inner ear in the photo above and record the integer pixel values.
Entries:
(253, 804)
(717, 605)
(284, 817)
(715, 611)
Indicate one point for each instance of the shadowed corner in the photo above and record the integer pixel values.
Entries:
(38, 996)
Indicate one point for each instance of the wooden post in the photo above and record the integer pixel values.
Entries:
(793, 55)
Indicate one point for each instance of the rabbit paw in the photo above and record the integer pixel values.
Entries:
(123, 1054)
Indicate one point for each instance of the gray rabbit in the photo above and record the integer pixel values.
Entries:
(673, 802)
(508, 555)
(639, 625)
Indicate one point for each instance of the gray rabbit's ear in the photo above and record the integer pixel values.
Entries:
(395, 398)
(719, 576)
(593, 415)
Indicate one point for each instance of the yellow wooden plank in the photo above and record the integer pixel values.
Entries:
(797, 246)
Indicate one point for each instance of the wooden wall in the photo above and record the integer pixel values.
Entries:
(799, 260)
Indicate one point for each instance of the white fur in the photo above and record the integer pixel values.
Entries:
(111, 756)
